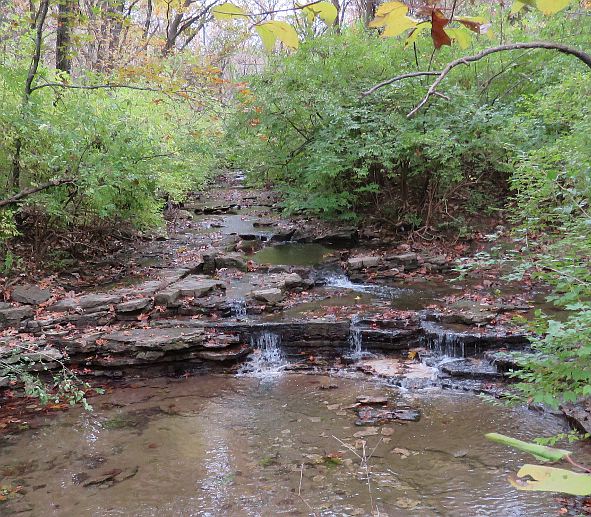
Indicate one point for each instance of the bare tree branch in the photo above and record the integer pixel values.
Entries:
(95, 86)
(33, 190)
(564, 49)
(396, 79)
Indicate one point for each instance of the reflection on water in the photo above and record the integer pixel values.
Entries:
(221, 446)
(292, 254)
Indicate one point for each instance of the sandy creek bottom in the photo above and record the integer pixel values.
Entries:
(220, 445)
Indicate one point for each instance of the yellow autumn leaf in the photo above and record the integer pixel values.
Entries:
(414, 35)
(267, 37)
(552, 6)
(283, 31)
(518, 5)
(326, 11)
(392, 7)
(228, 11)
(461, 36)
(395, 26)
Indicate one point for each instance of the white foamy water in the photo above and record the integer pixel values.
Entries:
(267, 361)
(339, 280)
(238, 308)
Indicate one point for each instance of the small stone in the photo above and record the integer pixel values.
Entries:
(363, 262)
(271, 296)
(368, 431)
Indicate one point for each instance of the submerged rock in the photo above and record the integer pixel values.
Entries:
(372, 416)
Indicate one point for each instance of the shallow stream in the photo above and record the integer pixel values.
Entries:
(231, 446)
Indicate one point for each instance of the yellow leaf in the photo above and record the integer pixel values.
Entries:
(282, 31)
(392, 7)
(552, 479)
(552, 6)
(228, 11)
(267, 37)
(517, 6)
(461, 36)
(326, 11)
(396, 25)
(413, 36)
(378, 21)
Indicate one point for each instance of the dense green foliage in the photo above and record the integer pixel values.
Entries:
(305, 126)
(126, 150)
(553, 184)
(516, 131)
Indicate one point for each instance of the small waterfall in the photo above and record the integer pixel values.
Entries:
(443, 343)
(238, 308)
(356, 341)
(267, 360)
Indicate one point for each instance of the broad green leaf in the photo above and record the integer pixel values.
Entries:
(267, 37)
(552, 6)
(551, 479)
(541, 452)
(326, 11)
(283, 31)
(414, 35)
(461, 35)
(228, 11)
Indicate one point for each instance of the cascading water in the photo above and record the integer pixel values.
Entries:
(356, 341)
(442, 342)
(339, 280)
(238, 308)
(267, 360)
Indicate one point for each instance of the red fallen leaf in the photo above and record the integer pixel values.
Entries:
(152, 446)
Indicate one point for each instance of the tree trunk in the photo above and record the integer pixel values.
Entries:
(63, 41)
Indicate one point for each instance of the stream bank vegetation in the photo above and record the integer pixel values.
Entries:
(436, 119)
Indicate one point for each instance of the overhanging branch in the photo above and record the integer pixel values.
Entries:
(33, 190)
(579, 54)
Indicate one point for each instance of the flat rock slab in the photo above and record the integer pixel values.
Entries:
(88, 302)
(194, 286)
(273, 295)
(14, 315)
(471, 369)
(163, 339)
(30, 294)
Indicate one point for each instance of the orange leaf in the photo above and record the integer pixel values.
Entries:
(438, 34)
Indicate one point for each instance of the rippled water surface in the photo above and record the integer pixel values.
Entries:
(219, 445)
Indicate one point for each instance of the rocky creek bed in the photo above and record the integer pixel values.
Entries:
(234, 288)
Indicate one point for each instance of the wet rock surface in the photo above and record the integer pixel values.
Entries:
(232, 268)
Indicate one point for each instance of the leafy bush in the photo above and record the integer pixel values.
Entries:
(553, 185)
(304, 125)
(126, 150)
